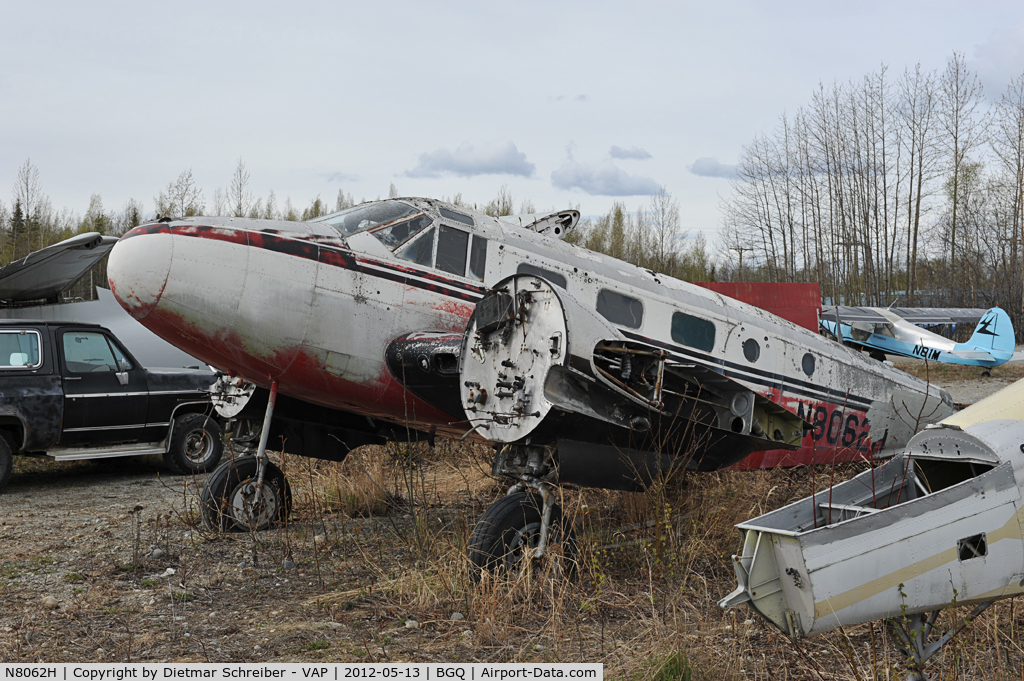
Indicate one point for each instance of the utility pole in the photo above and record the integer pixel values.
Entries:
(740, 249)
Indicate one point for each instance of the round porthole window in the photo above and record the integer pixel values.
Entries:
(808, 364)
(751, 350)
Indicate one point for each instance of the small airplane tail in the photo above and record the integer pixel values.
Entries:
(994, 335)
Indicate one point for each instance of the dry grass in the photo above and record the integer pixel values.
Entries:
(937, 371)
(380, 540)
(644, 597)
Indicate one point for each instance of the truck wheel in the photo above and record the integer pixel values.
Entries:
(6, 463)
(230, 501)
(196, 444)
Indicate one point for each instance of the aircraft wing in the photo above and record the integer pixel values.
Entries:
(915, 315)
(45, 273)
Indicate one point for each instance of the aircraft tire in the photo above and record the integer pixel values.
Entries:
(228, 501)
(6, 463)
(196, 445)
(512, 524)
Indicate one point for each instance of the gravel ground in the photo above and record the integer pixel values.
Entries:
(106, 562)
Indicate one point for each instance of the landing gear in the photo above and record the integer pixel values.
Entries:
(912, 632)
(877, 355)
(249, 493)
(236, 500)
(987, 373)
(524, 525)
(520, 528)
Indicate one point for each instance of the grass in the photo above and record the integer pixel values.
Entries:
(644, 599)
(316, 645)
(937, 371)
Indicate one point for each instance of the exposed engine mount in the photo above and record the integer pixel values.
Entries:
(537, 366)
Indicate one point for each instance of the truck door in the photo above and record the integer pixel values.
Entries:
(105, 395)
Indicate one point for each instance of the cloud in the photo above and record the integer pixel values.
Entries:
(602, 179)
(337, 177)
(575, 98)
(502, 158)
(635, 153)
(997, 60)
(710, 167)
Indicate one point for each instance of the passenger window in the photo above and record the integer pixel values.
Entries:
(19, 350)
(397, 234)
(452, 246)
(620, 309)
(478, 258)
(554, 277)
(421, 250)
(86, 351)
(693, 332)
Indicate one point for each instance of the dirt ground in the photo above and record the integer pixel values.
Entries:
(108, 562)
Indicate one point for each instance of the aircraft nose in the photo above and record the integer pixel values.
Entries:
(137, 269)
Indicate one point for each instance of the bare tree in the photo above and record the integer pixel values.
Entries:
(960, 95)
(239, 195)
(1008, 144)
(28, 194)
(343, 201)
(182, 198)
(501, 205)
(917, 120)
(665, 227)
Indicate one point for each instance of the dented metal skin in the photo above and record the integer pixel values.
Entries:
(940, 524)
(317, 308)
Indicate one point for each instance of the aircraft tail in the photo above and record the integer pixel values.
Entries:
(994, 335)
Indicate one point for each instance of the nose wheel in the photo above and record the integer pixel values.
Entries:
(249, 493)
(235, 500)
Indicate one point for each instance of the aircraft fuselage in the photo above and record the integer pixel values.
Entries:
(316, 308)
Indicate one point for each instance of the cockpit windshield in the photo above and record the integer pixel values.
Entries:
(397, 233)
(367, 216)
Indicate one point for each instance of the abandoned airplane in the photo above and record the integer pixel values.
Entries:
(896, 331)
(408, 318)
(938, 525)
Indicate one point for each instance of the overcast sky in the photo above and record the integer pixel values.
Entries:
(565, 102)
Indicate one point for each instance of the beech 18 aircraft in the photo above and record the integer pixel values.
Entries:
(895, 331)
(410, 318)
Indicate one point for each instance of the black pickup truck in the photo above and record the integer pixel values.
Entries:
(72, 391)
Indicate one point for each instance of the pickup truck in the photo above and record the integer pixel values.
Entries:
(72, 391)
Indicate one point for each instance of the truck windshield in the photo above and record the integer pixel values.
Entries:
(367, 216)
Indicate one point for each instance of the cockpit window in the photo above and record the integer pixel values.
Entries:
(420, 250)
(452, 245)
(367, 216)
(458, 217)
(397, 233)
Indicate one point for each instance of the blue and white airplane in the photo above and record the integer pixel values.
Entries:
(895, 331)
